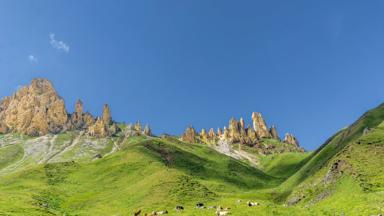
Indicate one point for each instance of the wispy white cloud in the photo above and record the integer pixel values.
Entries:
(32, 58)
(59, 45)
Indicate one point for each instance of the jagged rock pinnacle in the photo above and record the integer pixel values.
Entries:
(260, 126)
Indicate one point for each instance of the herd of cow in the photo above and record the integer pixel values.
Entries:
(220, 211)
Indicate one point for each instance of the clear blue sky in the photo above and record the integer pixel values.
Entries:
(311, 67)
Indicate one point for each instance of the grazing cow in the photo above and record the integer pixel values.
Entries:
(239, 201)
(250, 204)
(222, 213)
(157, 213)
(137, 213)
(179, 208)
(200, 205)
(162, 212)
(223, 208)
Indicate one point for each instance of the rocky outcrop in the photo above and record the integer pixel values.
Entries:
(104, 126)
(34, 110)
(147, 131)
(80, 120)
(37, 110)
(274, 133)
(136, 130)
(260, 126)
(291, 139)
(189, 135)
(252, 136)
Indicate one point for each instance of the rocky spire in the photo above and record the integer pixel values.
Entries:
(274, 133)
(189, 135)
(251, 134)
(234, 132)
(290, 139)
(138, 126)
(79, 109)
(204, 135)
(260, 126)
(219, 132)
(147, 131)
(107, 119)
(211, 134)
(226, 133)
(241, 124)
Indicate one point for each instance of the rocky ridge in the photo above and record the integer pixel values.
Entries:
(37, 110)
(251, 136)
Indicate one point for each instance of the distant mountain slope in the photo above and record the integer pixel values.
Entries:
(346, 172)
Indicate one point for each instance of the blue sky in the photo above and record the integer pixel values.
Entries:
(311, 67)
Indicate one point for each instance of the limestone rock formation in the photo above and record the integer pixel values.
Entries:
(189, 135)
(147, 131)
(211, 134)
(260, 126)
(33, 110)
(274, 133)
(204, 136)
(257, 135)
(103, 126)
(37, 110)
(290, 139)
(107, 119)
(137, 126)
(80, 120)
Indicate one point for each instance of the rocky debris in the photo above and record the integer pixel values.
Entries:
(189, 135)
(260, 126)
(336, 170)
(295, 200)
(136, 130)
(37, 110)
(252, 136)
(97, 156)
(366, 131)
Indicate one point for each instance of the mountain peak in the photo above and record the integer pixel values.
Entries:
(37, 110)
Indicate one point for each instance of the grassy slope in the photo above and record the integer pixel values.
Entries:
(283, 165)
(155, 174)
(334, 145)
(357, 188)
(148, 174)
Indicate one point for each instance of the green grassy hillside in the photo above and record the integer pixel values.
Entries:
(73, 174)
(147, 173)
(345, 175)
